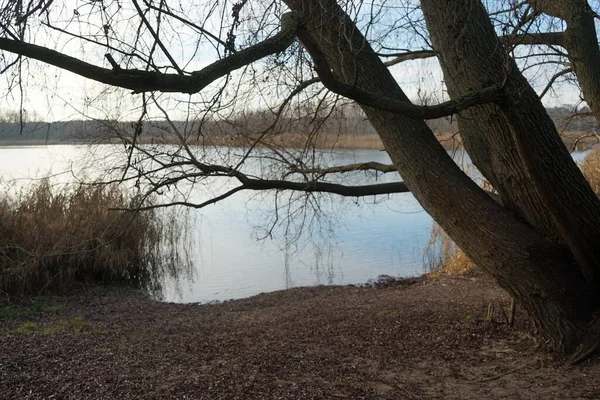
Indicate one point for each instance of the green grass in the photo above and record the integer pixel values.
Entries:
(73, 325)
(12, 312)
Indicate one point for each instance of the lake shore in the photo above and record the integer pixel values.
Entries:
(574, 141)
(424, 338)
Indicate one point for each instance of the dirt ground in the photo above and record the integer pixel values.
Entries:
(420, 339)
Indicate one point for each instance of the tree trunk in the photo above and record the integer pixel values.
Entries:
(528, 164)
(516, 144)
(581, 42)
(536, 270)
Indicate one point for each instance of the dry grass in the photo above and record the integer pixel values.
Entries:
(51, 238)
(295, 140)
(591, 170)
(443, 256)
(450, 140)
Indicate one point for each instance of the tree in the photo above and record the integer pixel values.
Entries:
(537, 235)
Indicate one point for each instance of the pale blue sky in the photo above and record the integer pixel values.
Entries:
(60, 95)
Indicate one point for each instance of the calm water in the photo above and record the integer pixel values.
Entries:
(353, 241)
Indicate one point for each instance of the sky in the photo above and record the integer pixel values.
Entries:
(60, 95)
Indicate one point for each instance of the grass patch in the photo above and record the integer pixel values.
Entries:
(75, 325)
(27, 327)
(53, 237)
(36, 307)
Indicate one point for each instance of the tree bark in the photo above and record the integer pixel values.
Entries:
(537, 271)
(581, 42)
(516, 143)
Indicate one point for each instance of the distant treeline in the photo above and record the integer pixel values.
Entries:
(345, 120)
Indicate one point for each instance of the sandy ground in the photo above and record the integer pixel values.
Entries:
(420, 339)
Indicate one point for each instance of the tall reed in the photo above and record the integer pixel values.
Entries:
(52, 237)
(442, 255)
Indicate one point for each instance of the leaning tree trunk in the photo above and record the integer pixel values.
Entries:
(528, 164)
(515, 143)
(529, 263)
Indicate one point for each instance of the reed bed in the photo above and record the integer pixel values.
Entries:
(294, 140)
(51, 238)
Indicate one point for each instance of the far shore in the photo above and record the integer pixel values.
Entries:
(575, 141)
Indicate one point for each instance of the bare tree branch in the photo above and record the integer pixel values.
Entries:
(297, 90)
(367, 166)
(583, 137)
(542, 38)
(406, 56)
(325, 187)
(42, 5)
(144, 81)
(156, 38)
(516, 6)
(553, 79)
(309, 187)
(185, 21)
(488, 95)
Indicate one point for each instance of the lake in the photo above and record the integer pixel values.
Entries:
(351, 241)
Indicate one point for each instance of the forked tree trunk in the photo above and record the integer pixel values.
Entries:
(528, 163)
(581, 42)
(522, 247)
(543, 185)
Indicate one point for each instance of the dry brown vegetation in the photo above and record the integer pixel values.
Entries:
(51, 237)
(443, 256)
(287, 140)
(591, 170)
(450, 140)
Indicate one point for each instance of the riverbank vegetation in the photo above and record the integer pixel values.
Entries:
(591, 170)
(54, 236)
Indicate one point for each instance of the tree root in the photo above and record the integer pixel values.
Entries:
(493, 378)
(590, 344)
